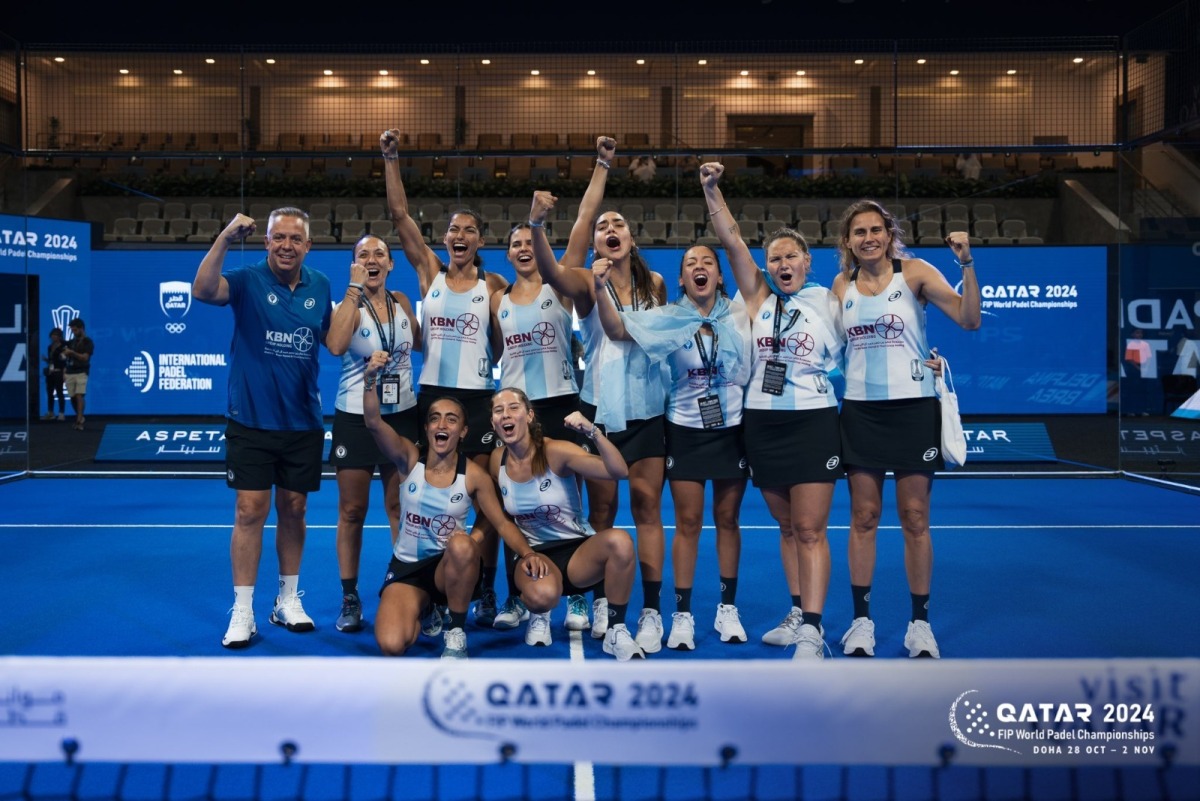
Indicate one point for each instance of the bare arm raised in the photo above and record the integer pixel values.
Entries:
(606, 464)
(963, 309)
(573, 282)
(209, 285)
(745, 272)
(419, 254)
(581, 229)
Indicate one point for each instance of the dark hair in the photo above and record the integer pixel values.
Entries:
(57, 331)
(518, 227)
(477, 260)
(77, 323)
(895, 245)
(387, 248)
(538, 463)
(462, 410)
(639, 272)
(720, 272)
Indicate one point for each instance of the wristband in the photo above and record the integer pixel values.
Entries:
(355, 285)
(594, 432)
(603, 163)
(393, 157)
(533, 224)
(368, 385)
(965, 264)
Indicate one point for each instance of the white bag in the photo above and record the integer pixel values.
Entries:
(954, 441)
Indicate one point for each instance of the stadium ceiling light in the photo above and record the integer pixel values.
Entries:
(535, 72)
(744, 73)
(591, 72)
(920, 61)
(424, 61)
(485, 61)
(1077, 60)
(641, 61)
(1011, 72)
(270, 61)
(953, 72)
(210, 61)
(703, 62)
(123, 72)
(800, 72)
(59, 59)
(177, 72)
(327, 72)
(858, 61)
(383, 72)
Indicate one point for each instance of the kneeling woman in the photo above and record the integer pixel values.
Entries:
(561, 553)
(434, 561)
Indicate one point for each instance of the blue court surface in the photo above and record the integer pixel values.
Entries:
(1046, 568)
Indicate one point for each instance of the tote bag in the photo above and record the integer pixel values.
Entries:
(954, 441)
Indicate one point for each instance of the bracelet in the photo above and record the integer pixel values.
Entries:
(369, 384)
(594, 432)
(355, 285)
(718, 211)
(965, 264)
(393, 157)
(533, 224)
(603, 163)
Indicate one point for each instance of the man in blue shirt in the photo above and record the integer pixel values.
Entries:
(275, 432)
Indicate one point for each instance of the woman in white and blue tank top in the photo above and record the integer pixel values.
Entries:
(636, 424)
(456, 330)
(704, 340)
(369, 318)
(791, 416)
(563, 554)
(890, 417)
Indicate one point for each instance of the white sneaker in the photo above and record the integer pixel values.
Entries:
(859, 640)
(729, 624)
(683, 632)
(920, 642)
(787, 631)
(809, 643)
(618, 643)
(290, 614)
(599, 618)
(512, 614)
(241, 627)
(538, 630)
(650, 631)
(577, 613)
(456, 644)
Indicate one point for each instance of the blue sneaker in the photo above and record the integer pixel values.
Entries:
(577, 614)
(512, 614)
(485, 609)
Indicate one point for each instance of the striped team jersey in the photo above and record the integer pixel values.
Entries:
(592, 334)
(366, 340)
(547, 508)
(810, 346)
(886, 343)
(689, 379)
(454, 327)
(429, 515)
(537, 346)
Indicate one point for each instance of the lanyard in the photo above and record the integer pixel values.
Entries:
(778, 321)
(632, 292)
(710, 364)
(387, 342)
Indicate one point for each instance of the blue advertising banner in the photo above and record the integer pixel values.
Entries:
(1008, 442)
(191, 442)
(1041, 348)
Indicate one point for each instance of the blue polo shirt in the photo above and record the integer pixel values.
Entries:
(277, 334)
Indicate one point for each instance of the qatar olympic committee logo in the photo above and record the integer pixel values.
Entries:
(175, 300)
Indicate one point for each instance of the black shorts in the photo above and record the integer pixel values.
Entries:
(792, 447)
(552, 411)
(478, 402)
(256, 459)
(897, 435)
(418, 574)
(353, 444)
(641, 439)
(559, 552)
(703, 454)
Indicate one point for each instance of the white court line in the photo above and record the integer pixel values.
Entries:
(585, 777)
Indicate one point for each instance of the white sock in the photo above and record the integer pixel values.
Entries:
(288, 585)
(243, 596)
